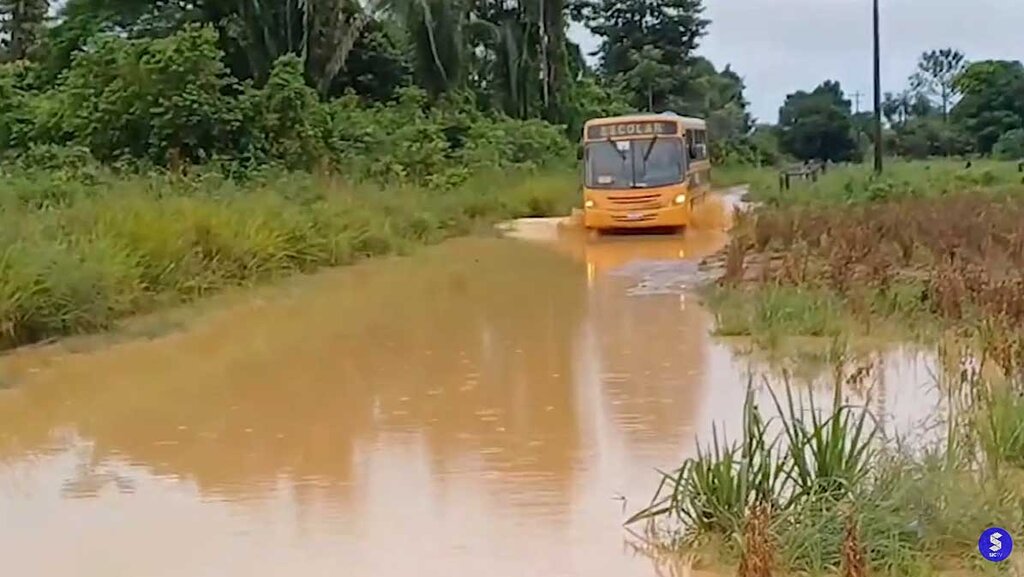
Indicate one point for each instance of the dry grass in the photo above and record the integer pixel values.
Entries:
(958, 258)
(854, 562)
(759, 548)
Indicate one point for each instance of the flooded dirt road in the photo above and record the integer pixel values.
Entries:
(489, 407)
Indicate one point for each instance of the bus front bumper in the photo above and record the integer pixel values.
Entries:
(672, 216)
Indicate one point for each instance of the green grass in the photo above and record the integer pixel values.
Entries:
(759, 178)
(774, 312)
(1002, 428)
(856, 183)
(77, 254)
(916, 511)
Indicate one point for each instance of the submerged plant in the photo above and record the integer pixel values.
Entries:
(1002, 428)
(826, 453)
(711, 492)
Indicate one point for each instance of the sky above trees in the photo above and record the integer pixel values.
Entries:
(780, 46)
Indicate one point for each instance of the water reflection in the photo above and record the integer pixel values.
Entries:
(481, 400)
(483, 408)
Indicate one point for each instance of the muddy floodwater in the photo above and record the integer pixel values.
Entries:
(487, 407)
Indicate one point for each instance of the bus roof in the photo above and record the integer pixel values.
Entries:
(687, 121)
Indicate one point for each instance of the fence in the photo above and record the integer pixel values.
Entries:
(806, 171)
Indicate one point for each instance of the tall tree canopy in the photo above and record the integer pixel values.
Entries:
(21, 26)
(627, 27)
(817, 124)
(936, 76)
(993, 101)
(497, 57)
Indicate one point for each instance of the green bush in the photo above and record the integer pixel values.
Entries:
(144, 99)
(16, 119)
(1010, 146)
(171, 102)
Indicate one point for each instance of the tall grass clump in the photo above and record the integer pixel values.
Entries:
(826, 454)
(1002, 428)
(79, 261)
(822, 490)
(711, 493)
(801, 459)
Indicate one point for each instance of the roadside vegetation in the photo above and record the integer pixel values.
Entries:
(930, 251)
(77, 257)
(152, 152)
(930, 246)
(180, 182)
(821, 488)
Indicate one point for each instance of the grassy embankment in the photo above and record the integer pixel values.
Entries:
(79, 252)
(933, 247)
(930, 245)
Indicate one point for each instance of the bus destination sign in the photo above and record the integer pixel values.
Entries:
(643, 128)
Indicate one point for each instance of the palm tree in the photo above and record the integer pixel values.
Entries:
(22, 23)
(435, 29)
(321, 32)
(526, 54)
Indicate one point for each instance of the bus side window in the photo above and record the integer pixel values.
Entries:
(701, 144)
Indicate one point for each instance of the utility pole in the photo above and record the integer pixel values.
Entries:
(856, 101)
(878, 95)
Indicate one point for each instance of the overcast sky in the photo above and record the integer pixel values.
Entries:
(780, 46)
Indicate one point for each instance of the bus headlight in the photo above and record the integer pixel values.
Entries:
(679, 199)
(588, 204)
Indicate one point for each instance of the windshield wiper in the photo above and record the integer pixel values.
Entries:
(611, 142)
(650, 147)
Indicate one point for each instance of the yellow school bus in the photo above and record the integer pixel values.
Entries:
(644, 170)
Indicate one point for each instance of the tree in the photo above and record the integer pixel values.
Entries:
(817, 125)
(253, 34)
(146, 98)
(924, 136)
(554, 58)
(436, 31)
(936, 76)
(590, 98)
(625, 27)
(904, 106)
(21, 23)
(377, 66)
(992, 102)
(1010, 145)
(896, 108)
(648, 74)
(509, 71)
(320, 32)
(716, 96)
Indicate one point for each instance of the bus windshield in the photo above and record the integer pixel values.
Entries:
(634, 163)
